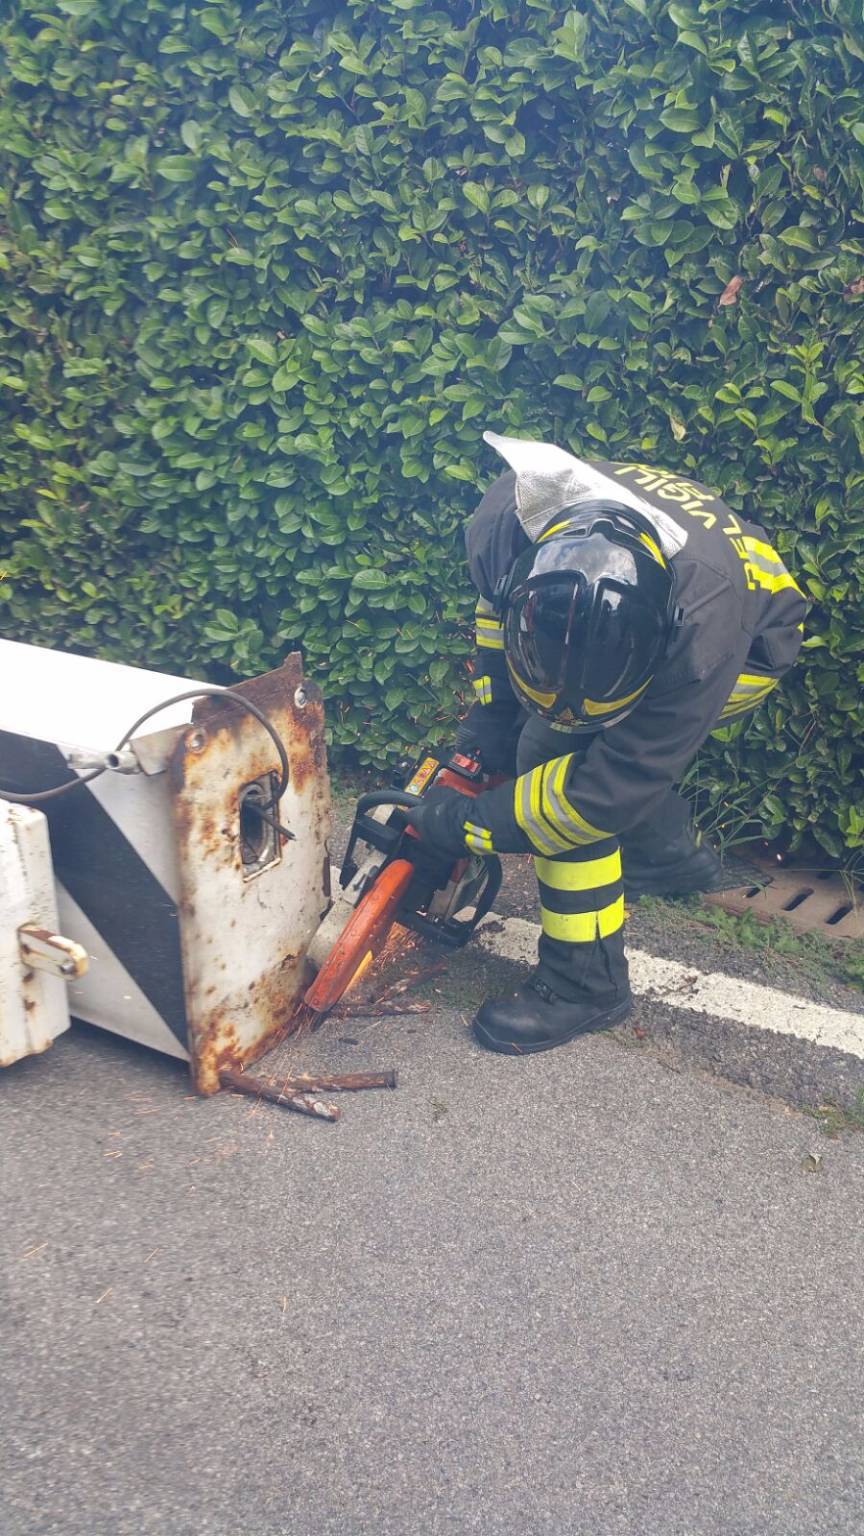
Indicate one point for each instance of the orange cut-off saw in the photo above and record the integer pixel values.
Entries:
(400, 881)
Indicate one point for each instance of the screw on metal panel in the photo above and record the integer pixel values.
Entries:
(300, 698)
(196, 741)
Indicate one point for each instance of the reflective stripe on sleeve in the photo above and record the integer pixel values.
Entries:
(557, 808)
(545, 815)
(749, 691)
(489, 629)
(479, 839)
(491, 639)
(764, 568)
(526, 808)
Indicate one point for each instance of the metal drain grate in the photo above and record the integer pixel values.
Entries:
(812, 903)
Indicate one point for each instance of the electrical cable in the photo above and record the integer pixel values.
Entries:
(178, 698)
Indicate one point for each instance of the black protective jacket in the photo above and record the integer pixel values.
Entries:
(741, 621)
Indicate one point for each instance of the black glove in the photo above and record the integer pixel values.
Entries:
(439, 821)
(496, 748)
(467, 743)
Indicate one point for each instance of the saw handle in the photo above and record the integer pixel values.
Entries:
(395, 797)
(455, 932)
(387, 837)
(378, 834)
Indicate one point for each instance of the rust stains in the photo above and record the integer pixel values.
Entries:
(217, 1045)
(218, 1049)
(243, 939)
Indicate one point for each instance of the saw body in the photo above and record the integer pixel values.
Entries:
(400, 881)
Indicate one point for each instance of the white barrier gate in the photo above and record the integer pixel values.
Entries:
(192, 910)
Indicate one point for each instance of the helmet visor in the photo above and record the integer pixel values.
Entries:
(533, 629)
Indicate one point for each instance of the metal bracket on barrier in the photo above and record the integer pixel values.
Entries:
(50, 952)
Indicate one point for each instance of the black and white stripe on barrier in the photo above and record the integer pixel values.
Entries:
(104, 874)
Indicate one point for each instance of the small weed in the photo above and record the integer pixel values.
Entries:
(748, 932)
(439, 1110)
(853, 963)
(832, 1119)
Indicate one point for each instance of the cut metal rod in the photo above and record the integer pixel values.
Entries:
(383, 1011)
(344, 1082)
(299, 1100)
(263, 815)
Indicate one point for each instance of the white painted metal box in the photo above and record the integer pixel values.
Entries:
(193, 892)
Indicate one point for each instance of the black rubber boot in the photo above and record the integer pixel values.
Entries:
(536, 1019)
(683, 866)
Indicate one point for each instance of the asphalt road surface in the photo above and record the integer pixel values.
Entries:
(599, 1292)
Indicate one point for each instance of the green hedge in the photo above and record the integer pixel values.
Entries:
(270, 269)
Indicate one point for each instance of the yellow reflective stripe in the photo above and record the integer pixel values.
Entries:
(587, 875)
(591, 708)
(758, 679)
(750, 689)
(774, 583)
(645, 538)
(522, 811)
(583, 927)
(479, 839)
(557, 529)
(539, 798)
(780, 584)
(544, 813)
(739, 707)
(765, 569)
(489, 629)
(544, 699)
(483, 688)
(560, 812)
(611, 918)
(765, 550)
(748, 695)
(526, 808)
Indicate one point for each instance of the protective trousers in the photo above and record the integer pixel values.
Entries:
(581, 949)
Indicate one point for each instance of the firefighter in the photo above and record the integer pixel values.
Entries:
(624, 612)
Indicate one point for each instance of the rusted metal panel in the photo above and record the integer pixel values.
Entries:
(244, 923)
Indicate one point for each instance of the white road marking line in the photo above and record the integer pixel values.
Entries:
(710, 993)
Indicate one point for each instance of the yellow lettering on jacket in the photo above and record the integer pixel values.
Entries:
(696, 502)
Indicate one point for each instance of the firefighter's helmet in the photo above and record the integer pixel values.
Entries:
(587, 612)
